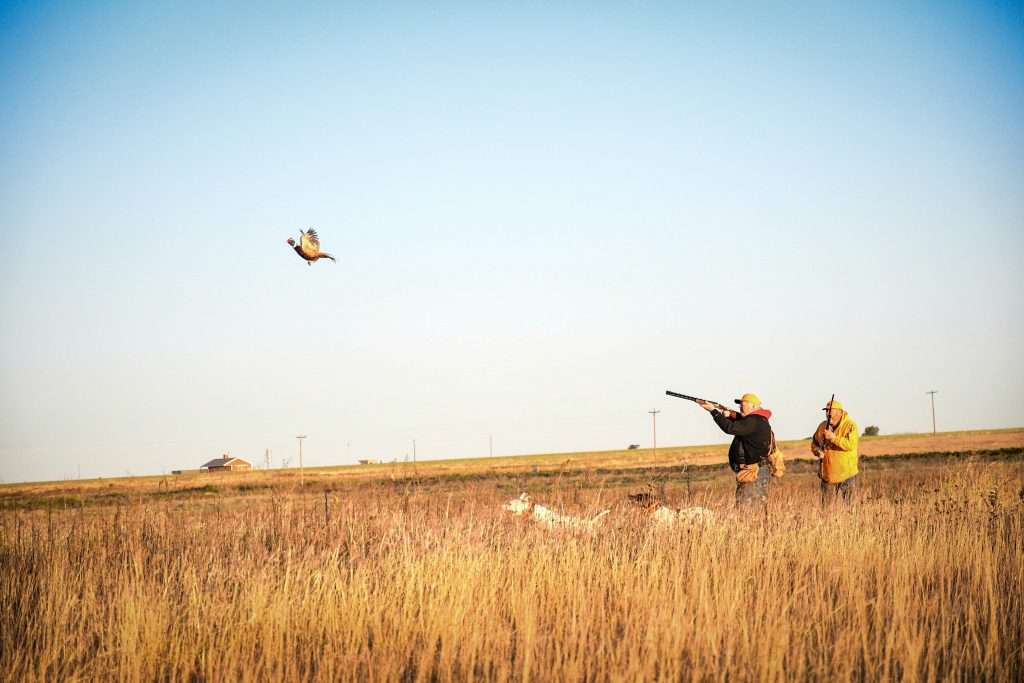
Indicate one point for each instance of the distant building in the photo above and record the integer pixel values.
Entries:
(368, 462)
(227, 463)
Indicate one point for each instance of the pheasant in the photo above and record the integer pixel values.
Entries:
(309, 247)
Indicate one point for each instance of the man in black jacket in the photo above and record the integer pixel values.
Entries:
(748, 453)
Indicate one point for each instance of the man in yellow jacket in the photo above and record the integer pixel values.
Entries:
(835, 444)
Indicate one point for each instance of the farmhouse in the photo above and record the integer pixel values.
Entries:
(227, 463)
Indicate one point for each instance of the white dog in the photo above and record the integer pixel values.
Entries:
(524, 505)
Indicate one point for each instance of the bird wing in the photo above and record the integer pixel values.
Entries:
(310, 242)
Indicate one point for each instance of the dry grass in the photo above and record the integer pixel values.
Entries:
(427, 580)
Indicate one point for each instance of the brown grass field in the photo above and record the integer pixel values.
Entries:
(401, 573)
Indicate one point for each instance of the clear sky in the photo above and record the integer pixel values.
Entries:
(544, 214)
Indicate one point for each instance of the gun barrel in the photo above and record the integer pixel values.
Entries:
(697, 400)
(688, 398)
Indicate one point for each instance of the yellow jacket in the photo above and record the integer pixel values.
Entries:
(839, 461)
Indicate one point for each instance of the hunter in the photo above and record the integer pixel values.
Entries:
(751, 444)
(835, 444)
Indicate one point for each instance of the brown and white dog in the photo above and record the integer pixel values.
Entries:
(691, 515)
(652, 503)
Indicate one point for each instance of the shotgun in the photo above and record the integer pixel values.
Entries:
(828, 424)
(717, 405)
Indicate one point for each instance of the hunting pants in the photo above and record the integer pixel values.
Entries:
(754, 493)
(846, 489)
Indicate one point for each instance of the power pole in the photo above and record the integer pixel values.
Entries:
(300, 437)
(654, 428)
(414, 451)
(266, 459)
(932, 393)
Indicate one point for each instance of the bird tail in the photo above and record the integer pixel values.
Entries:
(324, 254)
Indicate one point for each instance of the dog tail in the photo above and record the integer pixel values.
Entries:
(599, 516)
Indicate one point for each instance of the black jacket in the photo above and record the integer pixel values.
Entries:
(752, 437)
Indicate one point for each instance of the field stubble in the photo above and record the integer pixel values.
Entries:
(921, 580)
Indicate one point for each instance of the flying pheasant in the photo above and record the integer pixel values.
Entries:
(309, 247)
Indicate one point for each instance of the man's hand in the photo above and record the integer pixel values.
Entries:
(829, 435)
(706, 405)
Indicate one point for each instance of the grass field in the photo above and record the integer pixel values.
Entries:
(642, 463)
(388, 574)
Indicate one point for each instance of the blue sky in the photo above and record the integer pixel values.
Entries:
(544, 216)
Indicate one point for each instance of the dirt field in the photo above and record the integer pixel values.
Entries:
(119, 490)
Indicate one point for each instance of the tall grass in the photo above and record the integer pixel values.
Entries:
(921, 580)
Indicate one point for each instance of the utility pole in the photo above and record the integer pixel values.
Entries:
(654, 428)
(414, 451)
(933, 392)
(300, 437)
(266, 459)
